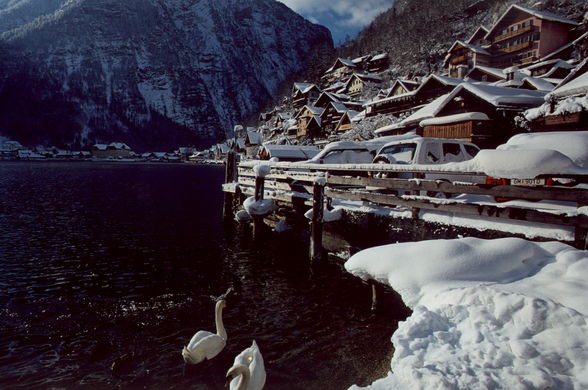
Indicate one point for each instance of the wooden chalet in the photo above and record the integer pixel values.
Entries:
(480, 113)
(361, 84)
(304, 93)
(331, 116)
(401, 86)
(463, 56)
(308, 121)
(341, 69)
(327, 98)
(346, 122)
(523, 35)
(378, 63)
(520, 36)
(432, 87)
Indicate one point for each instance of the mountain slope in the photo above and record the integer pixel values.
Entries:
(154, 73)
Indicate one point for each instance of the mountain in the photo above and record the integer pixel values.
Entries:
(153, 73)
(417, 33)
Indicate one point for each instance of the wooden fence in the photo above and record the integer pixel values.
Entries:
(297, 183)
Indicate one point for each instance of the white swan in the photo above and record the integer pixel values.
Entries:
(248, 371)
(206, 345)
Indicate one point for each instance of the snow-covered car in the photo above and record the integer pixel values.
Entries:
(351, 152)
(427, 151)
(538, 159)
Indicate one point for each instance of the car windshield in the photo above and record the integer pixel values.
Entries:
(401, 153)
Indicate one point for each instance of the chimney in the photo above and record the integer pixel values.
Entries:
(462, 70)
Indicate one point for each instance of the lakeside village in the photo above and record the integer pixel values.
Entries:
(525, 73)
(495, 273)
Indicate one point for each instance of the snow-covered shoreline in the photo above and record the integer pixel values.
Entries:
(505, 313)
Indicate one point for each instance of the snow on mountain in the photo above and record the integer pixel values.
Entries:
(147, 72)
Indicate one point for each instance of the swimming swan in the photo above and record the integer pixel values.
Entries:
(206, 345)
(248, 371)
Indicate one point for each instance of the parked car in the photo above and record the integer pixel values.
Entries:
(427, 151)
(554, 153)
(352, 152)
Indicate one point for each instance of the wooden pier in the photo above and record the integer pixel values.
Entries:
(305, 186)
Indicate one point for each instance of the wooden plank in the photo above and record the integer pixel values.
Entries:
(517, 192)
(492, 211)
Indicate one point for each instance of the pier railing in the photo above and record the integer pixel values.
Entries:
(297, 183)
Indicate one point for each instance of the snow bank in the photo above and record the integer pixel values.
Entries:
(503, 313)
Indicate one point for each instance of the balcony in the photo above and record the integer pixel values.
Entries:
(512, 33)
(518, 47)
(458, 60)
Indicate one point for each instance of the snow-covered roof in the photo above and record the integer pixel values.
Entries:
(339, 107)
(100, 146)
(428, 111)
(474, 48)
(466, 116)
(578, 86)
(496, 72)
(372, 78)
(254, 137)
(342, 61)
(482, 29)
(304, 87)
(539, 84)
(545, 15)
(119, 146)
(502, 96)
(379, 56)
(291, 151)
(312, 109)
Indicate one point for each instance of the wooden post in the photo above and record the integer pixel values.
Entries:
(230, 176)
(374, 296)
(581, 238)
(259, 186)
(316, 235)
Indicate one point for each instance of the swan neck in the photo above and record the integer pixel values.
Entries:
(244, 377)
(218, 318)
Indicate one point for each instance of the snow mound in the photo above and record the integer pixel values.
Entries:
(574, 144)
(522, 163)
(260, 207)
(506, 313)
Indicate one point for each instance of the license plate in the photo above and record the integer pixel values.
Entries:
(527, 182)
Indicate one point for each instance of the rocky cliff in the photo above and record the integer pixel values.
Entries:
(153, 73)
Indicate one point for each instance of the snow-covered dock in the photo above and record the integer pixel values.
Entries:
(537, 212)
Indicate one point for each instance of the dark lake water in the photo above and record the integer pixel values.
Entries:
(106, 271)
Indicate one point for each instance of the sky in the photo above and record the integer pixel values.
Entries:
(345, 18)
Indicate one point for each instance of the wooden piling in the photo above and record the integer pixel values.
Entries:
(316, 235)
(374, 296)
(259, 187)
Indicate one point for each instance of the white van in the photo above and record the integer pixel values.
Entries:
(427, 151)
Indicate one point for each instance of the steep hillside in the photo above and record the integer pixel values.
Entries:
(153, 73)
(417, 33)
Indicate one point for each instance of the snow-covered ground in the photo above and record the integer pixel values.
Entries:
(503, 314)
